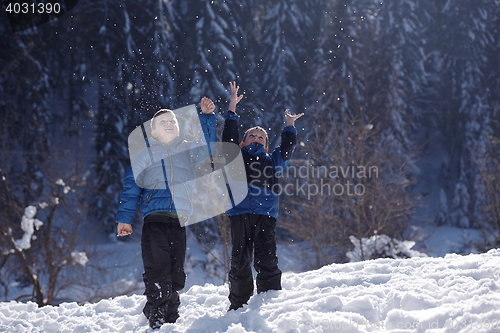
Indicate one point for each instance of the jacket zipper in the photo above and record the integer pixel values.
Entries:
(151, 194)
(171, 179)
(189, 197)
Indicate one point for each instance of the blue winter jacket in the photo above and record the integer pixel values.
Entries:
(262, 169)
(163, 172)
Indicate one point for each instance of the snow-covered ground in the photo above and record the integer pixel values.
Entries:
(448, 294)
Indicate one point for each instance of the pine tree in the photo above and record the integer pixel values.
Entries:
(25, 112)
(442, 213)
(287, 41)
(365, 88)
(462, 41)
(461, 199)
(187, 13)
(245, 15)
(136, 78)
(217, 36)
(376, 49)
(485, 157)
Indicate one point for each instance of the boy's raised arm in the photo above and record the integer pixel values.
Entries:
(208, 120)
(288, 139)
(230, 131)
(235, 99)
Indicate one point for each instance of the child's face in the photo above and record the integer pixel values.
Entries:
(166, 128)
(255, 136)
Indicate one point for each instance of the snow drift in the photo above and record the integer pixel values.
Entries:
(450, 294)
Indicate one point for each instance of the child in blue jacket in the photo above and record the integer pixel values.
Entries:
(156, 176)
(253, 221)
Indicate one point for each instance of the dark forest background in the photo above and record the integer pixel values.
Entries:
(410, 86)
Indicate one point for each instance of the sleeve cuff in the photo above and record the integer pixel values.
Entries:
(290, 129)
(232, 116)
(206, 117)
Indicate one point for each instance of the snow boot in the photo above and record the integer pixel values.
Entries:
(157, 318)
(173, 308)
(234, 307)
(172, 317)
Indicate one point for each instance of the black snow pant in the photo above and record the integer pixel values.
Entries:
(163, 252)
(251, 233)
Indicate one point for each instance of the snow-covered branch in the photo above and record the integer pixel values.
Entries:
(381, 246)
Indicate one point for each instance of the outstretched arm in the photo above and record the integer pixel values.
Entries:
(288, 141)
(207, 119)
(230, 132)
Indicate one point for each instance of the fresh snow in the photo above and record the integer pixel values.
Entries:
(79, 258)
(448, 294)
(61, 183)
(381, 246)
(28, 224)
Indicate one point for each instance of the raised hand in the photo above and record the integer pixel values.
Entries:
(207, 106)
(235, 99)
(290, 119)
